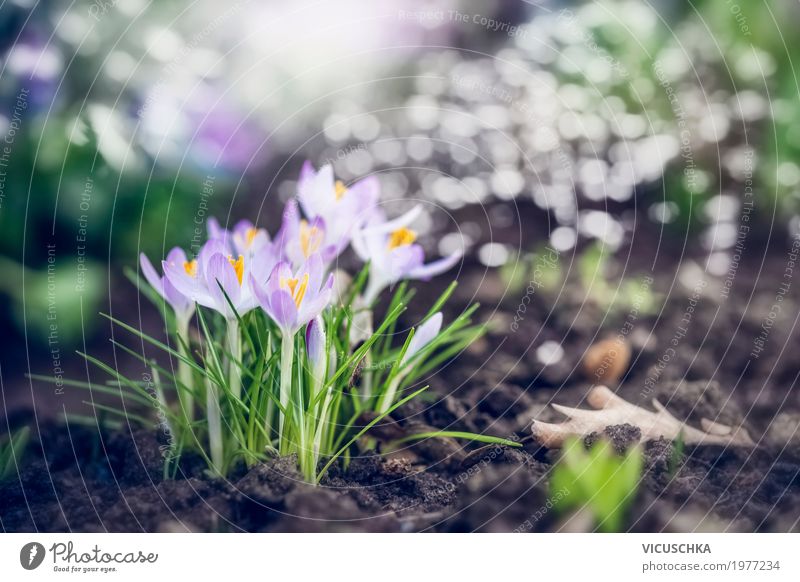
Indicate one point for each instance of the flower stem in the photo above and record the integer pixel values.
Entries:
(387, 398)
(235, 349)
(321, 423)
(317, 421)
(185, 391)
(214, 427)
(366, 375)
(287, 356)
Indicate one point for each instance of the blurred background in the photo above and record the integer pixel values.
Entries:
(613, 131)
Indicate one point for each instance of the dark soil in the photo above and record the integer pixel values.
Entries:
(79, 479)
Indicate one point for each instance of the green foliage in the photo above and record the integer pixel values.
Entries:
(629, 294)
(540, 269)
(677, 454)
(62, 291)
(598, 480)
(217, 392)
(480, 438)
(12, 450)
(78, 197)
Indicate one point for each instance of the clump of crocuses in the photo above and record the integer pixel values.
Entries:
(275, 351)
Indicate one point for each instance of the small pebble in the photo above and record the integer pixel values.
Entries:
(607, 361)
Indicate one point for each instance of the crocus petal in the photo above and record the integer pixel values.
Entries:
(191, 287)
(359, 244)
(284, 311)
(262, 261)
(210, 248)
(366, 193)
(247, 238)
(316, 190)
(307, 173)
(320, 234)
(434, 268)
(312, 307)
(243, 226)
(315, 269)
(330, 252)
(315, 341)
(399, 222)
(216, 232)
(262, 238)
(221, 276)
(281, 271)
(290, 224)
(424, 335)
(360, 205)
(183, 306)
(354, 210)
(259, 292)
(151, 275)
(176, 256)
(402, 261)
(316, 301)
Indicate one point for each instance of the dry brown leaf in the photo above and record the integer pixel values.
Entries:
(610, 410)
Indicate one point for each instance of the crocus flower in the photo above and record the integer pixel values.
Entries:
(245, 238)
(424, 335)
(315, 343)
(299, 239)
(183, 306)
(345, 209)
(292, 299)
(215, 231)
(215, 273)
(393, 254)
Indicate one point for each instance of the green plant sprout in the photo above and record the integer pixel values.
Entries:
(677, 454)
(630, 294)
(540, 269)
(12, 450)
(282, 357)
(598, 480)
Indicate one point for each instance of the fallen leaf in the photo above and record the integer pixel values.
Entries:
(610, 410)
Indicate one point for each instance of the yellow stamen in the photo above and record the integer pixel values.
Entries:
(190, 267)
(401, 237)
(310, 238)
(250, 235)
(238, 266)
(297, 291)
(339, 190)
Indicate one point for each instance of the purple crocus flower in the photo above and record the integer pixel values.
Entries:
(245, 238)
(424, 335)
(393, 254)
(215, 231)
(344, 209)
(292, 299)
(315, 343)
(216, 273)
(299, 239)
(183, 306)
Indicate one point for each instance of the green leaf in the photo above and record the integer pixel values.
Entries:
(364, 430)
(470, 436)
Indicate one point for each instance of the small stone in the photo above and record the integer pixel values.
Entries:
(784, 430)
(607, 361)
